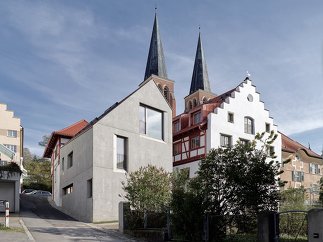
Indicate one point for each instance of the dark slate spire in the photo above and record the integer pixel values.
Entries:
(200, 77)
(156, 61)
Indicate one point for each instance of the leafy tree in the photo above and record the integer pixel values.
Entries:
(321, 190)
(239, 181)
(187, 213)
(293, 199)
(39, 174)
(148, 189)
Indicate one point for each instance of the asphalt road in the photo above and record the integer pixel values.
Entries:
(46, 223)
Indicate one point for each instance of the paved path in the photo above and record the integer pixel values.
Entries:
(46, 223)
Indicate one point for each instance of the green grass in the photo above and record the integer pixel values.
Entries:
(11, 229)
(107, 222)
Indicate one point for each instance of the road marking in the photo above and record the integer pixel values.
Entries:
(30, 237)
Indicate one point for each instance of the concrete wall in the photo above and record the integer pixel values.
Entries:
(95, 156)
(142, 150)
(77, 204)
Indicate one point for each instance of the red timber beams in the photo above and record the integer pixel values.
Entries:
(189, 146)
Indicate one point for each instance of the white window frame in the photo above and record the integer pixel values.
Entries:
(225, 140)
(249, 125)
(13, 148)
(126, 151)
(12, 133)
(146, 120)
(195, 142)
(230, 117)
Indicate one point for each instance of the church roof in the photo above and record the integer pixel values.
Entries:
(291, 146)
(67, 132)
(200, 77)
(156, 61)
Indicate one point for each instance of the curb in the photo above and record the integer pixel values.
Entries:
(30, 237)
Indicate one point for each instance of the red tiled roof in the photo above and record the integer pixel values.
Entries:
(292, 146)
(72, 129)
(67, 132)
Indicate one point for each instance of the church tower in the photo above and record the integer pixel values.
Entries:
(156, 67)
(200, 91)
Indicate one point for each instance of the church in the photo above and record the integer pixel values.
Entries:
(208, 120)
(93, 162)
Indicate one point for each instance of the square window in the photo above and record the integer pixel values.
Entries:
(151, 122)
(195, 142)
(68, 189)
(297, 176)
(244, 141)
(13, 148)
(225, 140)
(122, 150)
(177, 148)
(12, 133)
(230, 117)
(267, 127)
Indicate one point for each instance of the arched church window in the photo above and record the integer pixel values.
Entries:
(159, 87)
(204, 100)
(194, 102)
(166, 92)
(190, 106)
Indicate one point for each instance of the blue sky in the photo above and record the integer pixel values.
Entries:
(62, 61)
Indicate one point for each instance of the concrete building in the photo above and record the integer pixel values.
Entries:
(11, 150)
(53, 150)
(212, 121)
(303, 170)
(132, 133)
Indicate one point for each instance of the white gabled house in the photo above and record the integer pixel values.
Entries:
(212, 121)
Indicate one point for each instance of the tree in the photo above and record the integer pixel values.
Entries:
(239, 181)
(44, 140)
(39, 174)
(187, 212)
(148, 189)
(293, 199)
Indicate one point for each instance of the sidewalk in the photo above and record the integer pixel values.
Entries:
(15, 232)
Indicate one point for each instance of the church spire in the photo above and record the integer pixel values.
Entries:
(156, 61)
(200, 77)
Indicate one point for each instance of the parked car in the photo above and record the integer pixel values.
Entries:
(27, 191)
(39, 193)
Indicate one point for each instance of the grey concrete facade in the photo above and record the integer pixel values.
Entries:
(94, 156)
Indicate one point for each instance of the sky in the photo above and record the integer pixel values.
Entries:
(63, 61)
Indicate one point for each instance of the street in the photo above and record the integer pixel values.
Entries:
(46, 223)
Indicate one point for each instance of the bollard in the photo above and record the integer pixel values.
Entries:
(7, 215)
